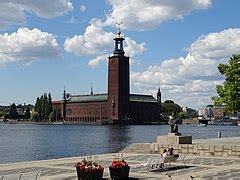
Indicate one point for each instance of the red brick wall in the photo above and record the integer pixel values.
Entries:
(118, 86)
(86, 112)
(143, 112)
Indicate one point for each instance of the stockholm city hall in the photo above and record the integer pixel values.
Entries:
(117, 106)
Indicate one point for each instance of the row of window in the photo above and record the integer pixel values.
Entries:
(84, 119)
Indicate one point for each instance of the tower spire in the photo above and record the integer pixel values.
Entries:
(118, 50)
(91, 89)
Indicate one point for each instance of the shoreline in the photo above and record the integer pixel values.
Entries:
(198, 166)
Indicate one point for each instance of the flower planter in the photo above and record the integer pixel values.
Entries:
(121, 172)
(90, 175)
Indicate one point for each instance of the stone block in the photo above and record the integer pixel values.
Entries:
(185, 151)
(218, 153)
(237, 148)
(227, 147)
(224, 154)
(219, 148)
(195, 148)
(201, 153)
(175, 146)
(162, 139)
(207, 154)
(212, 148)
(206, 147)
(173, 140)
(200, 147)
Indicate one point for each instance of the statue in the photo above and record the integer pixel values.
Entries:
(173, 124)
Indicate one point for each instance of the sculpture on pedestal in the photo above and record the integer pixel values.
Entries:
(173, 125)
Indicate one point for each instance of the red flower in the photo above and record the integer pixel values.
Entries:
(88, 166)
(118, 163)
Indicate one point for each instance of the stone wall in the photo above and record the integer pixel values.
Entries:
(199, 149)
(189, 149)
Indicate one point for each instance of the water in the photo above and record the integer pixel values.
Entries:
(25, 142)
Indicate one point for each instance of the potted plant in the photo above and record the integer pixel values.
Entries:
(89, 170)
(119, 169)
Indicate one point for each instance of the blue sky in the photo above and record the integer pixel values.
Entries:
(175, 45)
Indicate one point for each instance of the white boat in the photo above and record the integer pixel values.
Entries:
(58, 122)
(202, 125)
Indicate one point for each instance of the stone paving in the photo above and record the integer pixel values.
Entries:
(197, 167)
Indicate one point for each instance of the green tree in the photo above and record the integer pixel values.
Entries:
(44, 107)
(169, 107)
(229, 92)
(6, 116)
(182, 115)
(13, 114)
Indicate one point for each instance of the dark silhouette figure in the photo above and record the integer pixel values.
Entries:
(173, 124)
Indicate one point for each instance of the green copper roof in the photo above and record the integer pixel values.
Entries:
(88, 98)
(142, 98)
(103, 97)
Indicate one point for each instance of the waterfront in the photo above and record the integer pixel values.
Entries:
(25, 142)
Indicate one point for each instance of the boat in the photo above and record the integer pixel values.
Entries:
(202, 125)
(58, 122)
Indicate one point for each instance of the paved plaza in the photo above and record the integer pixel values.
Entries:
(196, 167)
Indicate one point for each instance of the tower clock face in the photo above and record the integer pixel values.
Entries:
(69, 111)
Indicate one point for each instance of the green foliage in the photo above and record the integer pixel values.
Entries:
(182, 115)
(6, 116)
(35, 117)
(55, 115)
(229, 92)
(43, 106)
(169, 107)
(13, 114)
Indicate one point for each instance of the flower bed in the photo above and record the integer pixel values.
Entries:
(89, 170)
(119, 169)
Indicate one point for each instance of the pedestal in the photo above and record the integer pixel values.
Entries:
(172, 138)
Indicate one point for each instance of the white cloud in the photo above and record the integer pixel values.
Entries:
(27, 45)
(191, 80)
(148, 14)
(13, 11)
(95, 61)
(96, 42)
(82, 8)
(10, 14)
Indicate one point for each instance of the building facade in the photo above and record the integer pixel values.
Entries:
(117, 106)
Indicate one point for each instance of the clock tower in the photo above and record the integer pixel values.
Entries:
(118, 82)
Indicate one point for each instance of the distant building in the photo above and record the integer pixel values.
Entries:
(209, 112)
(218, 112)
(117, 105)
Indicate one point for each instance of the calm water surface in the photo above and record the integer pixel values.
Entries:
(24, 142)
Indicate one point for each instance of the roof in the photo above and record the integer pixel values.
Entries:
(88, 98)
(142, 98)
(103, 97)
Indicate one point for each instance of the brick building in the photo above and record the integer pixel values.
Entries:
(117, 105)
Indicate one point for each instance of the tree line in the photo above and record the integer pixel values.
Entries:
(16, 111)
(42, 111)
